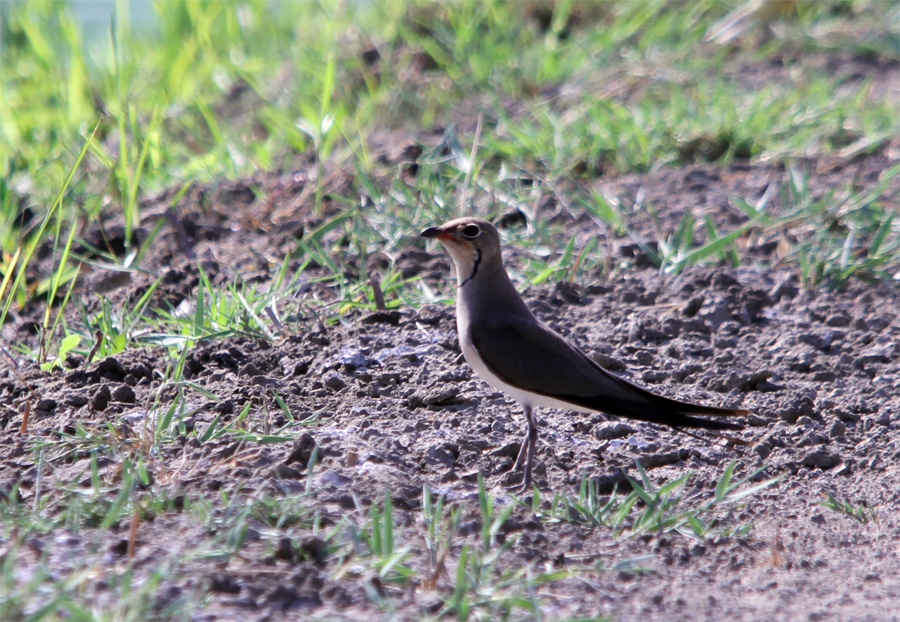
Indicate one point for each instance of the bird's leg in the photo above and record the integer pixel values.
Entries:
(526, 453)
(531, 441)
(523, 450)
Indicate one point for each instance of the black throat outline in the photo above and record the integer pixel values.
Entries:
(475, 265)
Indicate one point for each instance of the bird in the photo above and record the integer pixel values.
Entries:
(514, 352)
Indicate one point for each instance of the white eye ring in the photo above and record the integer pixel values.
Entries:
(471, 231)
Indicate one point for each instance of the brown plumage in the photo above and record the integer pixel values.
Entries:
(513, 351)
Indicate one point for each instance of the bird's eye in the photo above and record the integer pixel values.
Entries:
(471, 231)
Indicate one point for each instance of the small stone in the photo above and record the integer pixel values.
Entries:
(225, 407)
(110, 368)
(352, 359)
(76, 399)
(285, 550)
(45, 406)
(445, 454)
(314, 548)
(569, 292)
(813, 438)
(608, 362)
(652, 461)
(383, 317)
(100, 399)
(838, 428)
(611, 430)
(846, 415)
(727, 343)
(822, 340)
(785, 289)
(755, 380)
(283, 471)
(302, 450)
(655, 376)
(796, 407)
(755, 421)
(224, 583)
(124, 394)
(696, 325)
(821, 459)
(824, 376)
(73, 361)
(730, 328)
(333, 380)
(693, 306)
(249, 370)
(224, 359)
(839, 319)
(435, 396)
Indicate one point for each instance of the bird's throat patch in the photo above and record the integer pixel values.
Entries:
(475, 263)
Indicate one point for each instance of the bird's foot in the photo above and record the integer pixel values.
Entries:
(517, 484)
(516, 489)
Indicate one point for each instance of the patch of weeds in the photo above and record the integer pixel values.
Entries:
(482, 587)
(677, 251)
(862, 511)
(441, 530)
(236, 518)
(652, 508)
(467, 573)
(374, 543)
(51, 591)
(56, 542)
(104, 494)
(18, 289)
(833, 237)
(854, 234)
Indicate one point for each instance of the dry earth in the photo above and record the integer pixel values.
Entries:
(390, 404)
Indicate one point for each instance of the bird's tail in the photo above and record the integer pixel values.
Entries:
(680, 414)
(683, 414)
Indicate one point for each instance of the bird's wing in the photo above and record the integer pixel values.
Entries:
(510, 346)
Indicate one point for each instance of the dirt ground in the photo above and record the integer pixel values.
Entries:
(391, 404)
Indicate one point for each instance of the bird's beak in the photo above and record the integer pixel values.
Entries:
(435, 232)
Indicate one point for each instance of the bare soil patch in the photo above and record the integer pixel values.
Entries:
(390, 404)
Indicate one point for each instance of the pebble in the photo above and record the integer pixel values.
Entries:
(821, 458)
(445, 454)
(101, 397)
(283, 471)
(333, 380)
(838, 428)
(443, 394)
(45, 406)
(123, 394)
(612, 429)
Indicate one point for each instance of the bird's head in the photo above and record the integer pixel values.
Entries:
(472, 243)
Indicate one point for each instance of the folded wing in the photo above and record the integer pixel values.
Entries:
(510, 345)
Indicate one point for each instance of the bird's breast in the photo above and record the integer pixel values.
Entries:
(470, 353)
